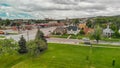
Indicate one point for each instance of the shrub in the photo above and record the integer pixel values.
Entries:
(40, 42)
(8, 46)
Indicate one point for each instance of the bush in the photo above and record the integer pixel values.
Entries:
(8, 46)
(82, 32)
(40, 43)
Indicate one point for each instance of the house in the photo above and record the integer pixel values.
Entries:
(1, 32)
(60, 30)
(82, 25)
(88, 30)
(73, 30)
(108, 32)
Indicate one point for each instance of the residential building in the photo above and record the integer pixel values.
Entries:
(82, 25)
(73, 30)
(108, 32)
(88, 30)
(60, 30)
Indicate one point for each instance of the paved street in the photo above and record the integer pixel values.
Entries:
(31, 33)
(76, 41)
(63, 40)
(46, 31)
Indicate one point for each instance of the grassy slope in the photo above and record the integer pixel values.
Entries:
(7, 61)
(65, 56)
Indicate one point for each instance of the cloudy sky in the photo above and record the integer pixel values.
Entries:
(58, 9)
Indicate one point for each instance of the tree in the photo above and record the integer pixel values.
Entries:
(82, 32)
(116, 34)
(40, 35)
(22, 45)
(7, 22)
(97, 33)
(114, 26)
(76, 21)
(40, 40)
(89, 23)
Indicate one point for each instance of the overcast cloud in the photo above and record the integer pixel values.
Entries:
(61, 8)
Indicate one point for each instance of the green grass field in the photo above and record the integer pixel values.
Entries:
(111, 39)
(83, 36)
(72, 36)
(2, 36)
(65, 56)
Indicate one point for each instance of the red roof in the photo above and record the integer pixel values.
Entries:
(87, 30)
(1, 32)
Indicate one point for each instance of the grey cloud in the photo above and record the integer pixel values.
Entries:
(67, 2)
(70, 2)
(35, 7)
(70, 8)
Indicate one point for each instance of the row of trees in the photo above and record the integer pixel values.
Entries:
(5, 22)
(35, 46)
(114, 22)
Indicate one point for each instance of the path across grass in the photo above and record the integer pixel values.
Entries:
(67, 56)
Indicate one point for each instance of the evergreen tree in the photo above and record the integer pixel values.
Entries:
(22, 45)
(40, 41)
(40, 35)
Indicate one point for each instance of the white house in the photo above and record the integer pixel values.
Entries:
(72, 30)
(108, 32)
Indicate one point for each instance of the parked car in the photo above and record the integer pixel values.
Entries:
(86, 41)
(47, 36)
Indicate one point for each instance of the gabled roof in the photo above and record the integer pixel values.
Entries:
(74, 28)
(88, 30)
(82, 25)
(60, 29)
(108, 30)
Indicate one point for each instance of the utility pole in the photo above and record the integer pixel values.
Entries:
(28, 35)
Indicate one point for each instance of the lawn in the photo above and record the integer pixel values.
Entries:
(83, 36)
(72, 36)
(110, 39)
(65, 56)
(2, 36)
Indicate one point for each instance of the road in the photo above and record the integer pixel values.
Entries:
(30, 35)
(77, 41)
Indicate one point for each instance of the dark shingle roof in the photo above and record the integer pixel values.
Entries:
(74, 28)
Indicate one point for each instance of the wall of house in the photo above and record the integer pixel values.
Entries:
(73, 32)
